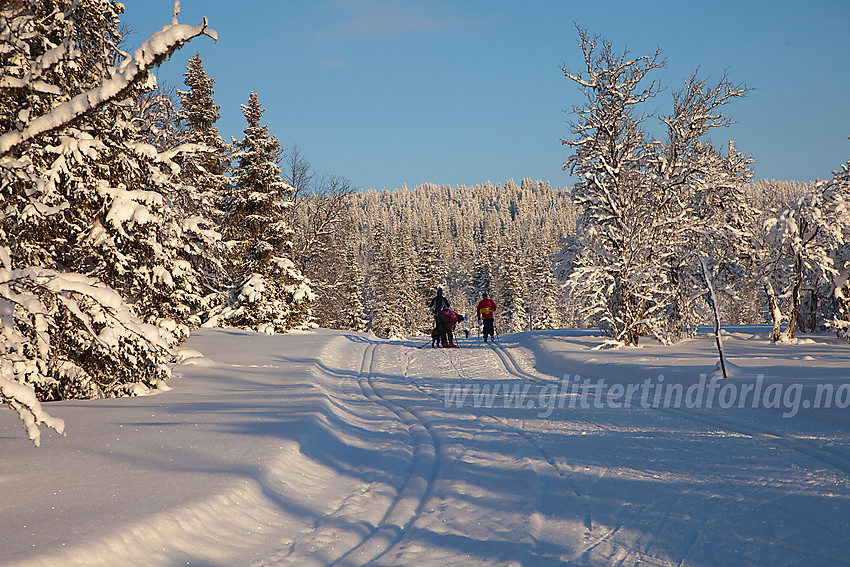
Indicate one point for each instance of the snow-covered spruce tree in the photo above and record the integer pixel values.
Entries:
(416, 319)
(390, 297)
(67, 335)
(352, 315)
(204, 163)
(648, 208)
(138, 242)
(195, 238)
(62, 157)
(396, 310)
(482, 278)
(186, 179)
(482, 267)
(271, 296)
(202, 160)
(92, 165)
(544, 293)
(430, 270)
(117, 225)
(430, 274)
(511, 288)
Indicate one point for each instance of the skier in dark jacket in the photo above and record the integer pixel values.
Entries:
(442, 332)
(439, 303)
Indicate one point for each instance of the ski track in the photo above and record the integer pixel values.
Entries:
(511, 367)
(406, 505)
(592, 541)
(829, 457)
(594, 536)
(615, 533)
(411, 498)
(602, 541)
(536, 517)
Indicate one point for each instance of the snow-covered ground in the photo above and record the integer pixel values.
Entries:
(334, 448)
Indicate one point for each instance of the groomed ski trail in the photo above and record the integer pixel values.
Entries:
(622, 551)
(407, 506)
(337, 448)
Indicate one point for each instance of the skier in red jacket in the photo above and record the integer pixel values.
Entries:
(486, 310)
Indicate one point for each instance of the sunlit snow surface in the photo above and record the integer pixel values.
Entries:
(333, 448)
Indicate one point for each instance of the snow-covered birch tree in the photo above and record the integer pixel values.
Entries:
(323, 233)
(803, 245)
(609, 266)
(647, 206)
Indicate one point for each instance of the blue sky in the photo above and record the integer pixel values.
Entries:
(393, 92)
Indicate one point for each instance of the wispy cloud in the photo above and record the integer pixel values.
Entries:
(388, 19)
(335, 64)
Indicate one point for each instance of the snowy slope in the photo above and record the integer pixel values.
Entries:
(333, 448)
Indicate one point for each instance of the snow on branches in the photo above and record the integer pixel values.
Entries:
(271, 294)
(65, 335)
(132, 71)
(82, 210)
(646, 205)
(805, 253)
(800, 240)
(272, 303)
(841, 256)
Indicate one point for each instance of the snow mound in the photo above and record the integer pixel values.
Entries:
(732, 370)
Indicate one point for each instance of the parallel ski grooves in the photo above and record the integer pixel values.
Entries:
(411, 498)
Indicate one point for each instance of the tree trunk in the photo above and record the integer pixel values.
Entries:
(813, 311)
(712, 297)
(795, 296)
(843, 297)
(775, 313)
